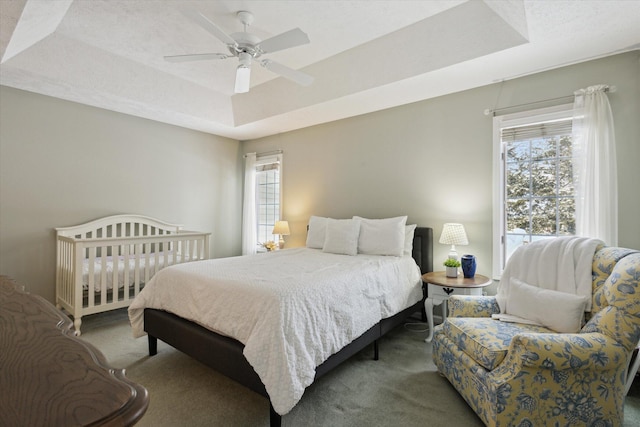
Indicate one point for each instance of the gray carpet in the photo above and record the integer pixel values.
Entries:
(402, 388)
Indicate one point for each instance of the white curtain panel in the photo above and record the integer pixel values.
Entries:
(595, 173)
(249, 242)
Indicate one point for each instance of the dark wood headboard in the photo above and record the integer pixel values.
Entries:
(423, 248)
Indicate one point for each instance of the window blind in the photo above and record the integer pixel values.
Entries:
(538, 130)
(267, 167)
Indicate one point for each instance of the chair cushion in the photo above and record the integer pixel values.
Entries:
(486, 340)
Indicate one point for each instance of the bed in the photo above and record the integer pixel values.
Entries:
(265, 366)
(102, 265)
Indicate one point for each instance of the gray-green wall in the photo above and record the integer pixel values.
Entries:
(63, 163)
(432, 160)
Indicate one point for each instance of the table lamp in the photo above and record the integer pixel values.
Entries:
(281, 228)
(453, 234)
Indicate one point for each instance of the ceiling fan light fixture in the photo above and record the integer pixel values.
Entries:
(243, 73)
(243, 79)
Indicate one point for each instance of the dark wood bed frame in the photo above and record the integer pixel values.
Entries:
(224, 354)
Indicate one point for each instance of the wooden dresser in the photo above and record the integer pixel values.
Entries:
(49, 377)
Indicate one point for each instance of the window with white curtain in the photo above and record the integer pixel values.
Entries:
(534, 196)
(262, 202)
(268, 196)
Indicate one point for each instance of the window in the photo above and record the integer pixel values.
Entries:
(262, 201)
(533, 179)
(268, 199)
(268, 196)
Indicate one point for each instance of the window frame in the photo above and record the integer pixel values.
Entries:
(260, 162)
(529, 117)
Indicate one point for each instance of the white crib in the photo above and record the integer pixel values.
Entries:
(103, 264)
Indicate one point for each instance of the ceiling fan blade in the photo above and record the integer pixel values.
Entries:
(291, 38)
(195, 57)
(289, 73)
(208, 25)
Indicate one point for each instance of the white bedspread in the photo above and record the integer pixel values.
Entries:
(292, 309)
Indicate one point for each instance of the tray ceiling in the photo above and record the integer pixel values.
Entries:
(364, 55)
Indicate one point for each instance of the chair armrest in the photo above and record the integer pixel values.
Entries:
(472, 306)
(558, 352)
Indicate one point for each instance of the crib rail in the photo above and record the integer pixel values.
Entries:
(119, 226)
(104, 267)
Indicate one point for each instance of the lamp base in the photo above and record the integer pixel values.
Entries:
(281, 243)
(453, 254)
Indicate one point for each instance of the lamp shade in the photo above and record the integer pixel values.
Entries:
(281, 228)
(453, 234)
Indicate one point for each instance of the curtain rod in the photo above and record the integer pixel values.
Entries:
(489, 112)
(266, 153)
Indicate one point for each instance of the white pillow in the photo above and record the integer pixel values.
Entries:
(409, 231)
(317, 231)
(342, 236)
(382, 236)
(556, 310)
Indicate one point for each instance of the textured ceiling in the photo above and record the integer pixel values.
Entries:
(364, 55)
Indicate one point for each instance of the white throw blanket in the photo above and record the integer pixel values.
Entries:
(561, 264)
(292, 309)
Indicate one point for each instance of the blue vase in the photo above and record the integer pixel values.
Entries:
(468, 265)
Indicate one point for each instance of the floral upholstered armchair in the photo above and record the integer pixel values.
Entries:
(514, 374)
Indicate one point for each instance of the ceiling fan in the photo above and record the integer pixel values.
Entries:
(248, 47)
